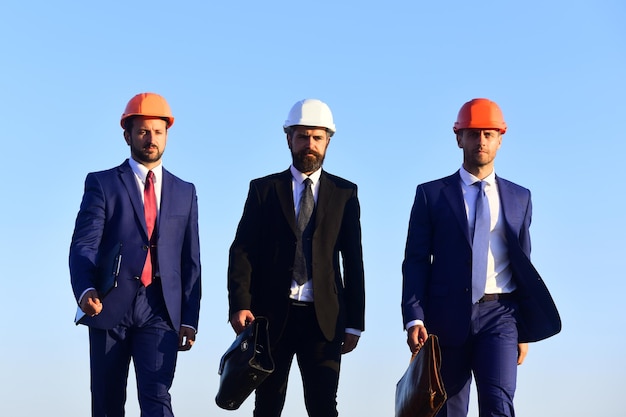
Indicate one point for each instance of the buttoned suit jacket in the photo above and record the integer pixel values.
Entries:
(111, 213)
(261, 256)
(437, 269)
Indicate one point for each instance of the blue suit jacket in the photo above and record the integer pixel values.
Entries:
(437, 269)
(111, 213)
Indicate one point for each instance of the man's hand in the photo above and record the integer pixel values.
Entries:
(240, 319)
(349, 343)
(186, 337)
(90, 303)
(415, 337)
(522, 351)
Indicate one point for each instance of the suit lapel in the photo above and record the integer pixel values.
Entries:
(454, 195)
(284, 191)
(167, 193)
(511, 206)
(325, 197)
(130, 183)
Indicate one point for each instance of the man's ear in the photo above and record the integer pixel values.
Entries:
(127, 137)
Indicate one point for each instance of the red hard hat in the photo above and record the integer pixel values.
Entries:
(148, 104)
(480, 113)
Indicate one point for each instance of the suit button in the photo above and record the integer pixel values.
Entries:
(144, 247)
(137, 277)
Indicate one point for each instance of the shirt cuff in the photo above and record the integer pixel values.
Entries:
(83, 294)
(413, 323)
(191, 327)
(353, 331)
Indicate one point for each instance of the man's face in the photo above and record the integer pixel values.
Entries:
(308, 148)
(147, 140)
(480, 147)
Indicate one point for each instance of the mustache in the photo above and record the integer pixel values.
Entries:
(306, 152)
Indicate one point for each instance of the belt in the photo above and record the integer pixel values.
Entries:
(496, 297)
(297, 303)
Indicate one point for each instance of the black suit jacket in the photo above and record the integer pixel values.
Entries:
(260, 267)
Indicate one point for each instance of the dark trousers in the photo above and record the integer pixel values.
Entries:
(146, 336)
(319, 362)
(490, 354)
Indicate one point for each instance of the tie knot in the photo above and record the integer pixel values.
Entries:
(150, 176)
(307, 182)
(481, 185)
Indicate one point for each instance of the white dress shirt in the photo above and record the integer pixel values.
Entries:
(141, 172)
(499, 273)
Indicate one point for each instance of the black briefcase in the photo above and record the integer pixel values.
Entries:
(245, 365)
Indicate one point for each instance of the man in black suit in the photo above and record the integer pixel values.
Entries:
(285, 265)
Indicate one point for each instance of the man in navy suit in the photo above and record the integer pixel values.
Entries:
(286, 266)
(484, 319)
(151, 312)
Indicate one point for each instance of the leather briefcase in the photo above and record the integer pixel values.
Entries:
(420, 391)
(245, 365)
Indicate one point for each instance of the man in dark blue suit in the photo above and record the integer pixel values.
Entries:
(148, 220)
(484, 318)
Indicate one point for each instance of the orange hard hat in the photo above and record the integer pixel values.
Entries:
(148, 104)
(480, 113)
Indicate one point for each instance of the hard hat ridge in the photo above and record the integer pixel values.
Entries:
(150, 105)
(310, 112)
(480, 113)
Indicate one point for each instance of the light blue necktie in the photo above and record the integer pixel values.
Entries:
(480, 243)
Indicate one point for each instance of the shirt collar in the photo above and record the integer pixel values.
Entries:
(300, 177)
(141, 171)
(469, 179)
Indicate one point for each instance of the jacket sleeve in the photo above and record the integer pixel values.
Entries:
(416, 268)
(242, 252)
(87, 236)
(191, 270)
(352, 255)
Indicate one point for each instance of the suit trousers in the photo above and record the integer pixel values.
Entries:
(319, 362)
(490, 354)
(146, 335)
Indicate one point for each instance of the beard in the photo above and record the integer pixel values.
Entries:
(307, 160)
(139, 154)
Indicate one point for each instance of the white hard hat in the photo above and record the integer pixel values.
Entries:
(310, 112)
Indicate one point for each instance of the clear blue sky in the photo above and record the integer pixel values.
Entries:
(395, 74)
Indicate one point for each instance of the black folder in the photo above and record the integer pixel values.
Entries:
(106, 279)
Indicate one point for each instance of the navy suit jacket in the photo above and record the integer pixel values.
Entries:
(261, 257)
(437, 269)
(111, 213)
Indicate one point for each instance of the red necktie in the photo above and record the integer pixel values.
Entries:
(150, 213)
